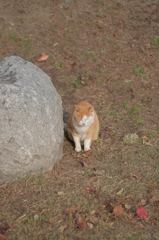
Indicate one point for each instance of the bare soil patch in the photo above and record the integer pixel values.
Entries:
(106, 52)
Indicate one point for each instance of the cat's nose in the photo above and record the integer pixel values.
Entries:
(83, 124)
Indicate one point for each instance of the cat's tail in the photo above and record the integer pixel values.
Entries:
(65, 119)
(65, 127)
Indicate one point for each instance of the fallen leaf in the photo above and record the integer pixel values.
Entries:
(110, 224)
(143, 202)
(135, 176)
(107, 129)
(64, 237)
(3, 236)
(102, 208)
(80, 224)
(127, 206)
(84, 158)
(73, 65)
(113, 149)
(120, 192)
(71, 209)
(154, 222)
(89, 190)
(90, 225)
(88, 153)
(141, 212)
(92, 212)
(139, 225)
(3, 227)
(136, 37)
(100, 24)
(76, 238)
(62, 228)
(56, 44)
(99, 172)
(85, 165)
(118, 211)
(79, 219)
(108, 206)
(142, 134)
(36, 217)
(92, 219)
(43, 57)
(60, 193)
(116, 35)
(154, 200)
(147, 143)
(103, 135)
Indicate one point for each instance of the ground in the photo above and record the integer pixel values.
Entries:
(106, 52)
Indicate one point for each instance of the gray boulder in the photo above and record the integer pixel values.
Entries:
(31, 121)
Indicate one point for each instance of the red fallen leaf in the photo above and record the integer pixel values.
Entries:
(73, 65)
(76, 238)
(116, 35)
(107, 129)
(3, 237)
(142, 134)
(89, 190)
(141, 212)
(88, 153)
(136, 37)
(79, 219)
(118, 211)
(3, 227)
(43, 57)
(85, 165)
(80, 224)
(103, 135)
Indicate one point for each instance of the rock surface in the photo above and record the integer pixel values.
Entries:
(31, 121)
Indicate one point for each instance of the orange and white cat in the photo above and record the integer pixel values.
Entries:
(83, 125)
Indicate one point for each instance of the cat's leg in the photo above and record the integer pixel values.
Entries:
(87, 144)
(77, 143)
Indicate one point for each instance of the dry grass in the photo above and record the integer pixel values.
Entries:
(105, 45)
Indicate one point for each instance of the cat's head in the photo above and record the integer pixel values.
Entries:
(83, 114)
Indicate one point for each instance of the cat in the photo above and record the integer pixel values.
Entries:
(83, 126)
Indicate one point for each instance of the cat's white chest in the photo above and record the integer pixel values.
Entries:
(82, 130)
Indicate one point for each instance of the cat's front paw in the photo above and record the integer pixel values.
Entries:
(87, 149)
(78, 149)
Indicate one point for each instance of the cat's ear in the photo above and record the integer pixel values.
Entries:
(76, 108)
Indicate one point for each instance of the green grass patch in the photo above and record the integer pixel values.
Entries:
(116, 115)
(139, 71)
(134, 111)
(59, 65)
(89, 54)
(139, 120)
(13, 37)
(125, 104)
(156, 42)
(77, 83)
